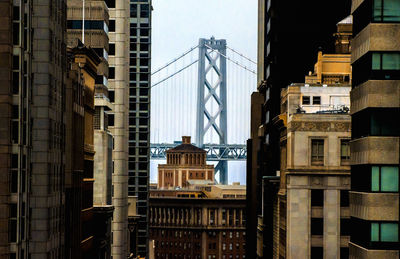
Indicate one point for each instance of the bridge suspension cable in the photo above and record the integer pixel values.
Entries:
(176, 59)
(243, 56)
(177, 72)
(233, 61)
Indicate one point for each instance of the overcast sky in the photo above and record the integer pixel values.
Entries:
(176, 27)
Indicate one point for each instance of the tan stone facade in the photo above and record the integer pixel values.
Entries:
(185, 162)
(198, 223)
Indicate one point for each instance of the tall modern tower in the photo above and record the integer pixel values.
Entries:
(139, 115)
(375, 105)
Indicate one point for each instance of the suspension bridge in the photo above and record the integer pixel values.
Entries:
(206, 95)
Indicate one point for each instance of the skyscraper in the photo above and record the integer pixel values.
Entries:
(139, 114)
(33, 67)
(290, 32)
(375, 146)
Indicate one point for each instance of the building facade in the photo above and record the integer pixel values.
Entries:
(184, 162)
(375, 102)
(198, 223)
(190, 216)
(96, 37)
(118, 121)
(312, 201)
(314, 129)
(288, 34)
(139, 114)
(32, 91)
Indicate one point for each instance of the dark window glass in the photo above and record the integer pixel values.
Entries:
(306, 99)
(16, 62)
(110, 3)
(317, 252)
(111, 49)
(344, 253)
(144, 11)
(317, 226)
(345, 227)
(316, 100)
(110, 119)
(344, 198)
(133, 10)
(15, 83)
(111, 25)
(111, 96)
(317, 197)
(111, 73)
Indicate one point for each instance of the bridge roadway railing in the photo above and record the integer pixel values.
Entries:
(215, 152)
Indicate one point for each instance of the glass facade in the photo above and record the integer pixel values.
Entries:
(139, 113)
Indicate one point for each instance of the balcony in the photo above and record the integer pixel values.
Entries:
(374, 206)
(375, 37)
(377, 94)
(375, 150)
(363, 253)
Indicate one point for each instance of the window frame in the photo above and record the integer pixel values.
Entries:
(318, 160)
(380, 179)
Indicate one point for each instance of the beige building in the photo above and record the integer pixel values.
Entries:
(184, 162)
(118, 61)
(311, 198)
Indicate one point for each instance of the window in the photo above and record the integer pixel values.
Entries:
(316, 100)
(386, 61)
(384, 232)
(317, 197)
(317, 226)
(385, 179)
(111, 72)
(110, 119)
(306, 100)
(110, 3)
(386, 11)
(111, 49)
(111, 96)
(344, 198)
(344, 151)
(345, 227)
(317, 252)
(317, 151)
(111, 25)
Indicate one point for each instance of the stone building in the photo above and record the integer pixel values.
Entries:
(205, 222)
(289, 33)
(184, 162)
(96, 37)
(79, 180)
(190, 216)
(33, 65)
(309, 195)
(375, 105)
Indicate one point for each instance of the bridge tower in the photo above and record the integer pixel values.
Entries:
(212, 62)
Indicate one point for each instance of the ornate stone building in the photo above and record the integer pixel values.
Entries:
(311, 198)
(205, 223)
(184, 162)
(190, 217)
